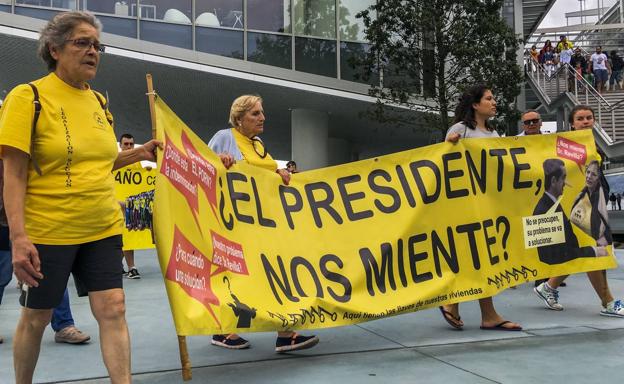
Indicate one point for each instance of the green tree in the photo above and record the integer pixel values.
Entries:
(433, 50)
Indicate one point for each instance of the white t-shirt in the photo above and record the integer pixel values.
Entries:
(599, 61)
(565, 56)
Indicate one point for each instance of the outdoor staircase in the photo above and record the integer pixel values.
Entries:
(554, 95)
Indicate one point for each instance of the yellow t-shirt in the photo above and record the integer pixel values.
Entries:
(73, 201)
(246, 146)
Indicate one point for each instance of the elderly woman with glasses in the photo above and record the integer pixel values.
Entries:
(59, 148)
(241, 143)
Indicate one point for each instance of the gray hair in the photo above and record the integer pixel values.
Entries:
(59, 29)
(530, 111)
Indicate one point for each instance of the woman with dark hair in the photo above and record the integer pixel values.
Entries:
(582, 117)
(476, 106)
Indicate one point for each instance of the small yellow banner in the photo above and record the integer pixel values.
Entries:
(132, 189)
(240, 251)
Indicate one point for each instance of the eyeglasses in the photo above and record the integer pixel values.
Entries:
(259, 147)
(86, 44)
(531, 122)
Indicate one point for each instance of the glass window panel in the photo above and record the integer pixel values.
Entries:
(172, 11)
(315, 18)
(113, 7)
(350, 27)
(165, 33)
(5, 8)
(44, 14)
(269, 49)
(349, 68)
(219, 13)
(269, 15)
(63, 4)
(223, 42)
(315, 56)
(119, 26)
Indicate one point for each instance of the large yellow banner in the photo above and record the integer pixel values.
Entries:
(240, 251)
(134, 189)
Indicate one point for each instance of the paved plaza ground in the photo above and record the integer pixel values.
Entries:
(573, 346)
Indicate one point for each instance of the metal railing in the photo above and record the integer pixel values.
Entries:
(565, 79)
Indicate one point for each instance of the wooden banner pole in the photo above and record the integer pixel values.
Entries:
(151, 95)
(187, 373)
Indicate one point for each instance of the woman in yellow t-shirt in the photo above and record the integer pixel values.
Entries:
(59, 193)
(241, 143)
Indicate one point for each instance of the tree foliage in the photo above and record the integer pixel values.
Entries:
(433, 50)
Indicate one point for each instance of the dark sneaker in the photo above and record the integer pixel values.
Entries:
(71, 335)
(133, 274)
(226, 341)
(1, 340)
(295, 343)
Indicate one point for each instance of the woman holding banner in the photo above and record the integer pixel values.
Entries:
(476, 106)
(241, 143)
(59, 148)
(589, 213)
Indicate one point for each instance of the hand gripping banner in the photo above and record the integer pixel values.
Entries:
(240, 251)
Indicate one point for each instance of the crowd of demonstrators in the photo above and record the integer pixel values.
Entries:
(57, 168)
(242, 143)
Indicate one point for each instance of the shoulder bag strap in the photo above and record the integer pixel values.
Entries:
(37, 105)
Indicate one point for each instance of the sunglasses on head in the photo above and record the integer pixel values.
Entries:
(531, 122)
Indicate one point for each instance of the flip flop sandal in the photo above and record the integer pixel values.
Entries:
(500, 327)
(451, 319)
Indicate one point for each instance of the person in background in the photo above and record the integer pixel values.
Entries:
(126, 143)
(531, 123)
(291, 167)
(617, 66)
(599, 64)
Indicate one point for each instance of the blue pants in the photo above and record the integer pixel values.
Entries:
(6, 271)
(62, 316)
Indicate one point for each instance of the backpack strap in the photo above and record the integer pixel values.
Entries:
(104, 105)
(37, 105)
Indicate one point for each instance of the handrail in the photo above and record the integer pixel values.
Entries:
(540, 77)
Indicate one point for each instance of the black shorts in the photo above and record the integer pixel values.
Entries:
(96, 266)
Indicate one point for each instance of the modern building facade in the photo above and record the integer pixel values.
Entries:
(296, 54)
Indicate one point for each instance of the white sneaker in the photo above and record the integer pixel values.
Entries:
(549, 295)
(614, 309)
